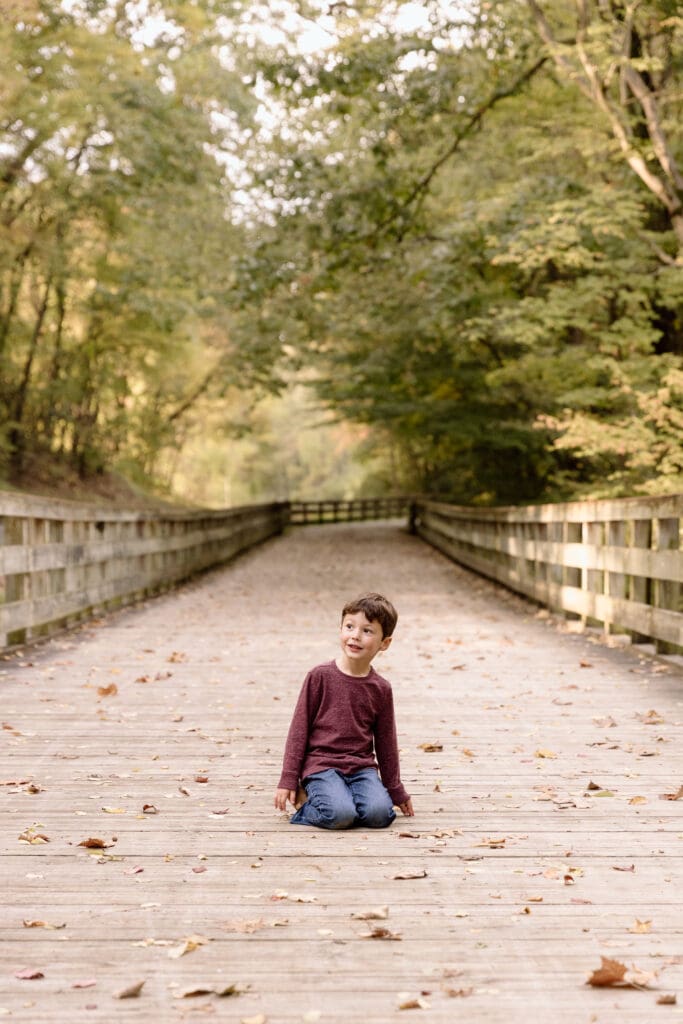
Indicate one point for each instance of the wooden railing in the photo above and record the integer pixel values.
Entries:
(618, 563)
(302, 513)
(61, 562)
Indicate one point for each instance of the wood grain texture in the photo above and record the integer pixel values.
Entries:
(529, 873)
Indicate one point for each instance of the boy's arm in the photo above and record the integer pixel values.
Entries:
(297, 742)
(386, 749)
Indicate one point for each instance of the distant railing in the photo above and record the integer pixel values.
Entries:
(338, 511)
(617, 563)
(61, 562)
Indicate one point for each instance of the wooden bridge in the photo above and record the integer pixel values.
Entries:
(146, 874)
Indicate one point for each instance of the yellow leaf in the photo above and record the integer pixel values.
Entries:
(545, 753)
(641, 927)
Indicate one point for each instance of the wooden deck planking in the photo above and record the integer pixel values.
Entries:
(468, 658)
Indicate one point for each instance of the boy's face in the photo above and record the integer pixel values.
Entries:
(361, 639)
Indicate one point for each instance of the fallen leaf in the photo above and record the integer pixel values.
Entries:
(431, 748)
(94, 843)
(114, 810)
(234, 989)
(409, 835)
(176, 657)
(621, 867)
(678, 795)
(638, 800)
(30, 835)
(149, 809)
(130, 991)
(183, 790)
(545, 754)
(605, 723)
(188, 946)
(201, 778)
(134, 871)
(375, 914)
(200, 869)
(407, 1001)
(43, 924)
(667, 1000)
(614, 973)
(641, 927)
(108, 691)
(411, 874)
(378, 931)
(493, 844)
(88, 983)
(651, 717)
(458, 993)
(29, 974)
(586, 664)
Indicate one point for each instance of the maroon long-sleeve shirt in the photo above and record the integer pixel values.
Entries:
(343, 722)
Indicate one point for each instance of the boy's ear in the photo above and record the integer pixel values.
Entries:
(385, 643)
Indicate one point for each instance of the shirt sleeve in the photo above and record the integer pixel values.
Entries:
(386, 749)
(297, 737)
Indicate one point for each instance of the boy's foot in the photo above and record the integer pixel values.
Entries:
(301, 797)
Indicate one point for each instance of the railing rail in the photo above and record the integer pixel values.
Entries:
(61, 561)
(617, 563)
(302, 513)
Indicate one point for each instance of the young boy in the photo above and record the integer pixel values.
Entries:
(343, 729)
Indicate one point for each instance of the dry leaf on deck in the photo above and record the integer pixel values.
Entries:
(625, 867)
(641, 927)
(493, 844)
(88, 983)
(678, 795)
(614, 973)
(431, 748)
(234, 989)
(43, 924)
(638, 800)
(374, 914)
(188, 946)
(667, 1000)
(458, 993)
(30, 835)
(406, 875)
(176, 657)
(651, 717)
(201, 778)
(114, 810)
(408, 1001)
(94, 843)
(378, 931)
(29, 974)
(130, 991)
(549, 754)
(149, 809)
(108, 691)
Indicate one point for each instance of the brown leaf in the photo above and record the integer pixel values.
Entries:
(641, 927)
(667, 1000)
(201, 778)
(30, 835)
(593, 786)
(651, 717)
(493, 844)
(586, 664)
(149, 809)
(94, 843)
(610, 972)
(200, 869)
(188, 946)
(550, 754)
(678, 795)
(43, 924)
(638, 800)
(374, 914)
(88, 983)
(29, 974)
(108, 691)
(234, 989)
(622, 867)
(378, 931)
(176, 657)
(458, 993)
(407, 1001)
(411, 874)
(431, 748)
(130, 991)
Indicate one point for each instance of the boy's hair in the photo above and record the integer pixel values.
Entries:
(376, 608)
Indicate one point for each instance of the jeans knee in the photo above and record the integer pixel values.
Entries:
(336, 819)
(378, 815)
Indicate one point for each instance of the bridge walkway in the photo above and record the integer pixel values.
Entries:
(542, 766)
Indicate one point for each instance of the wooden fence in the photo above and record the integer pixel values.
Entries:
(302, 513)
(618, 563)
(61, 562)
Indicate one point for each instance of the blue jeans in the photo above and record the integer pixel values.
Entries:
(342, 801)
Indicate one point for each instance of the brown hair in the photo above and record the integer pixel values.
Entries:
(376, 608)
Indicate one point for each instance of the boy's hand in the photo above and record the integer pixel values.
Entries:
(282, 796)
(407, 808)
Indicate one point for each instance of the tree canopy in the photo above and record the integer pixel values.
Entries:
(460, 225)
